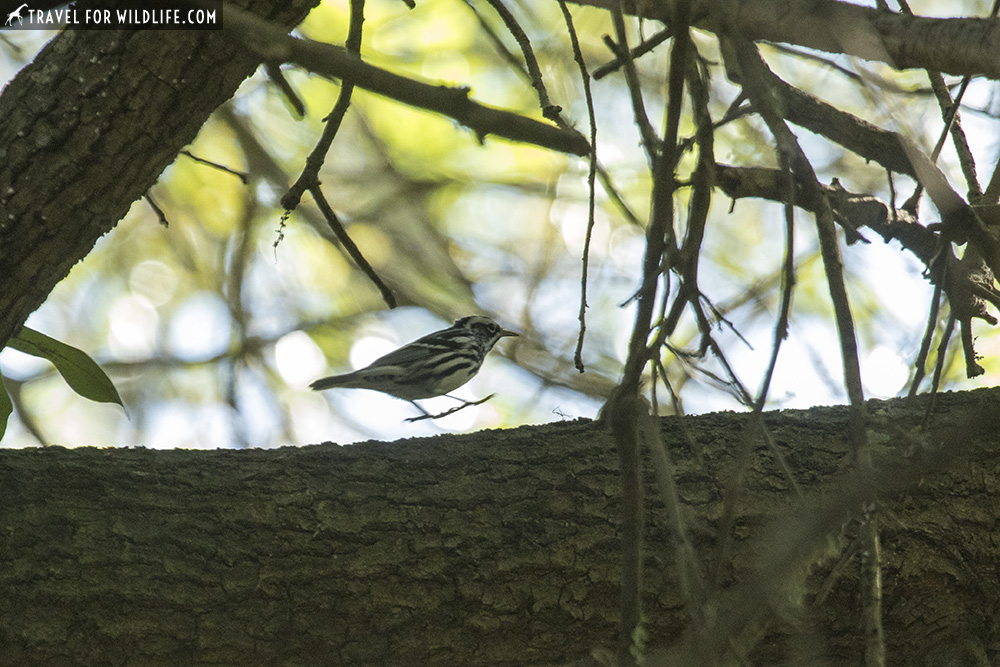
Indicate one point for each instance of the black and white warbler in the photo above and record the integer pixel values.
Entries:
(430, 366)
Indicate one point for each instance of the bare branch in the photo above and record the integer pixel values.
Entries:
(952, 45)
(310, 173)
(591, 181)
(743, 58)
(352, 249)
(549, 110)
(450, 411)
(621, 50)
(272, 44)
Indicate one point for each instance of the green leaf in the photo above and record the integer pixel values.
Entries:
(81, 373)
(6, 407)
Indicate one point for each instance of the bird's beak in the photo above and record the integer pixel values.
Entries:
(504, 332)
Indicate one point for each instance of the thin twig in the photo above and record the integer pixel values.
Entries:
(610, 189)
(624, 409)
(465, 404)
(942, 353)
(787, 286)
(636, 52)
(621, 50)
(755, 80)
(702, 185)
(835, 573)
(244, 178)
(309, 177)
(920, 363)
(338, 228)
(278, 78)
(591, 180)
(160, 215)
(271, 43)
(549, 110)
(952, 122)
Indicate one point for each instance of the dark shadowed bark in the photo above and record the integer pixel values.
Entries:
(498, 547)
(88, 127)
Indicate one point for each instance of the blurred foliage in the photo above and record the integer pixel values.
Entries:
(213, 324)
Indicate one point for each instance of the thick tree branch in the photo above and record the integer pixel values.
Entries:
(968, 282)
(499, 547)
(952, 45)
(853, 211)
(271, 43)
(855, 134)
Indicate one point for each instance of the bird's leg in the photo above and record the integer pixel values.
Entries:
(452, 411)
(426, 414)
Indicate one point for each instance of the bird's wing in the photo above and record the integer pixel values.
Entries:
(411, 353)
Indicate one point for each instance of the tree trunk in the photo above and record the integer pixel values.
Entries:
(501, 547)
(88, 127)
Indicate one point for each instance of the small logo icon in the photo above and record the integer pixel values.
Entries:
(16, 14)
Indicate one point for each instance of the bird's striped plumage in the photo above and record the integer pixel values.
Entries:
(430, 366)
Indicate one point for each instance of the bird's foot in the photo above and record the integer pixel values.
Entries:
(452, 411)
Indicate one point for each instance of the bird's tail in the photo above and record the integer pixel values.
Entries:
(345, 380)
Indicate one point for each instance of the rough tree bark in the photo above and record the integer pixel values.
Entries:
(493, 548)
(88, 127)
